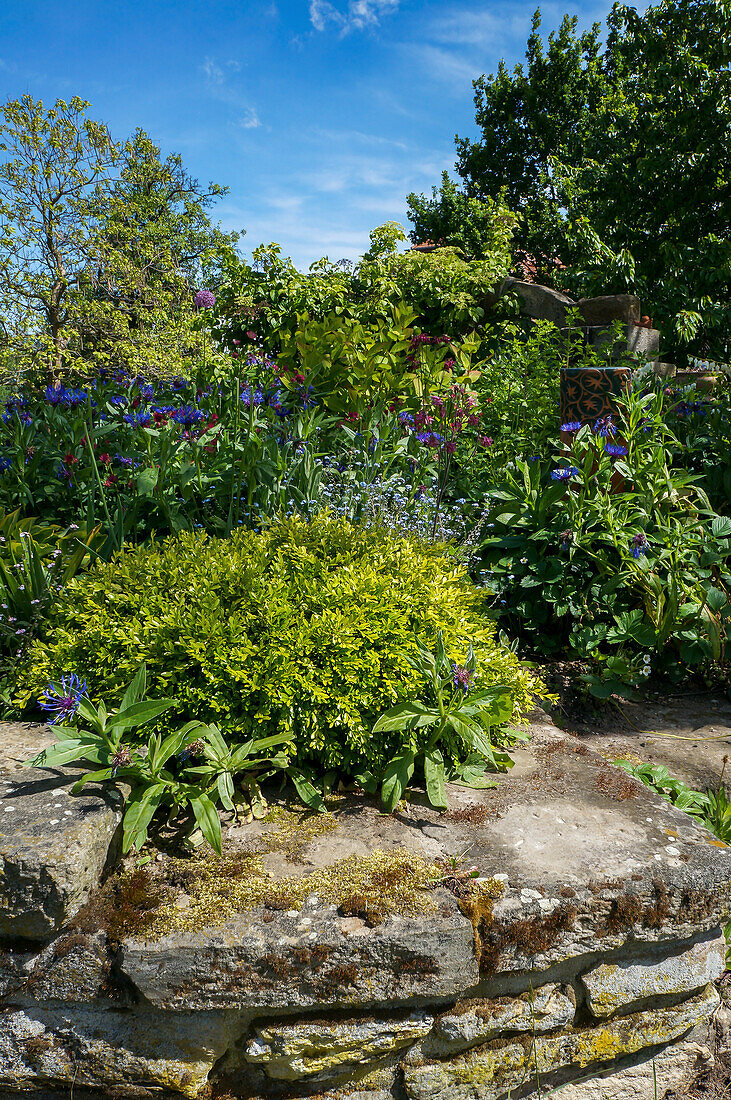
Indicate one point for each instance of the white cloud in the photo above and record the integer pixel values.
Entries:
(251, 119)
(212, 71)
(357, 15)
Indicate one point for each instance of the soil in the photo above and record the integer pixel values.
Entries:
(686, 729)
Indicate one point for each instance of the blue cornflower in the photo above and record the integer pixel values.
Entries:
(638, 546)
(604, 427)
(118, 401)
(5, 463)
(138, 420)
(615, 449)
(571, 426)
(187, 416)
(147, 392)
(16, 402)
(307, 398)
(25, 418)
(63, 701)
(73, 398)
(123, 461)
(564, 473)
(178, 384)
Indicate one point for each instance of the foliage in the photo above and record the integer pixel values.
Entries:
(58, 165)
(270, 300)
(451, 738)
(36, 560)
(616, 154)
(101, 245)
(630, 579)
(712, 809)
(453, 218)
(164, 773)
(303, 629)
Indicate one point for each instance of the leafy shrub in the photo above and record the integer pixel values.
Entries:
(302, 629)
(613, 555)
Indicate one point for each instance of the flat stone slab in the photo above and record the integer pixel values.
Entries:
(581, 860)
(54, 845)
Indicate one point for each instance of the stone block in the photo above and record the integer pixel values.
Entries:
(546, 1009)
(613, 987)
(281, 964)
(668, 1071)
(492, 1073)
(608, 308)
(82, 1047)
(664, 370)
(539, 302)
(633, 340)
(324, 1050)
(74, 968)
(54, 846)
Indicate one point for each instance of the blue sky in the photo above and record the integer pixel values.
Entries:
(319, 115)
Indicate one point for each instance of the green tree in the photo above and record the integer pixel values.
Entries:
(451, 217)
(57, 169)
(102, 245)
(154, 246)
(617, 158)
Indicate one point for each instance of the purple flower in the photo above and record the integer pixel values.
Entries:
(615, 449)
(572, 426)
(63, 701)
(564, 473)
(205, 299)
(604, 427)
(462, 678)
(638, 546)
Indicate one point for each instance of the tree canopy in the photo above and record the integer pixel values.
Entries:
(102, 244)
(615, 154)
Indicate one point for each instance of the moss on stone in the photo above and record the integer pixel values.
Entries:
(374, 887)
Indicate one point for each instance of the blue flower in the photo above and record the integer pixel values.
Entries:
(638, 546)
(118, 401)
(615, 449)
(564, 473)
(5, 463)
(256, 398)
(187, 416)
(571, 426)
(63, 701)
(138, 420)
(604, 427)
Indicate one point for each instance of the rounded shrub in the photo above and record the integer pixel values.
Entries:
(305, 628)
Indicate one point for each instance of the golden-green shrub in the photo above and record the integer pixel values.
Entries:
(306, 627)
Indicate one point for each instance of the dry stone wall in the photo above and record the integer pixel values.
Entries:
(590, 961)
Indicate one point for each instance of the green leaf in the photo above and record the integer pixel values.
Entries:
(139, 814)
(434, 775)
(136, 689)
(305, 789)
(396, 778)
(61, 753)
(406, 716)
(208, 821)
(225, 786)
(139, 714)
